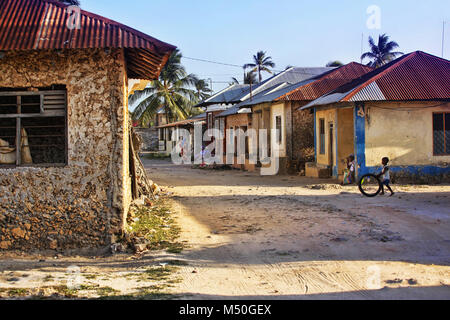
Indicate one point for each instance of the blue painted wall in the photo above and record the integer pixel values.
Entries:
(413, 172)
(360, 142)
(315, 136)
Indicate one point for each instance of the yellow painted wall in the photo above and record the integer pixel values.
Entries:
(237, 121)
(405, 137)
(346, 143)
(279, 110)
(330, 116)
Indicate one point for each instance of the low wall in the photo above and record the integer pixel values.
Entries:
(150, 138)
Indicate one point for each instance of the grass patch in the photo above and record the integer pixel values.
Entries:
(156, 225)
(160, 273)
(18, 292)
(106, 291)
(65, 291)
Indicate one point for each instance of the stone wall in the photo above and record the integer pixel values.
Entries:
(303, 134)
(84, 204)
(150, 138)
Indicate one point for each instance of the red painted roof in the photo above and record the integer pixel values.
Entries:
(327, 82)
(416, 76)
(42, 24)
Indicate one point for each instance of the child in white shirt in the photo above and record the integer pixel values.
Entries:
(385, 176)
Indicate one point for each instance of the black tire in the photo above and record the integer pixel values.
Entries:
(370, 185)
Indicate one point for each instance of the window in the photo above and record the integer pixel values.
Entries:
(222, 126)
(441, 134)
(210, 120)
(217, 124)
(247, 145)
(162, 132)
(278, 128)
(322, 135)
(33, 129)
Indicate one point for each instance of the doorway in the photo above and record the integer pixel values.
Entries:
(330, 147)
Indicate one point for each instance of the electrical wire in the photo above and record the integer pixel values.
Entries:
(214, 62)
(241, 67)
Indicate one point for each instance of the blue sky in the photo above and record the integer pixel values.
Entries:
(293, 32)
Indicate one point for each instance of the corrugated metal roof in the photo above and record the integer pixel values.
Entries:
(309, 89)
(229, 95)
(237, 93)
(234, 110)
(326, 82)
(417, 76)
(199, 118)
(43, 24)
(271, 94)
(290, 75)
(371, 92)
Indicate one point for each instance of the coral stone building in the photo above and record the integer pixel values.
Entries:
(65, 169)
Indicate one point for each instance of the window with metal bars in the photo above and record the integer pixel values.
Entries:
(33, 130)
(441, 134)
(278, 125)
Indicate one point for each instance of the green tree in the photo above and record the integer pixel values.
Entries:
(202, 89)
(233, 81)
(335, 63)
(381, 53)
(250, 78)
(173, 91)
(260, 63)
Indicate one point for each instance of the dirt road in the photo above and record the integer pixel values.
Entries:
(253, 237)
(292, 238)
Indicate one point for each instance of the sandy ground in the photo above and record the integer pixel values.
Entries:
(253, 237)
(297, 238)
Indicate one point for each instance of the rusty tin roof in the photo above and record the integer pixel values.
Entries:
(43, 24)
(326, 82)
(417, 76)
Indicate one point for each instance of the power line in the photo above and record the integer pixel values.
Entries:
(238, 66)
(214, 62)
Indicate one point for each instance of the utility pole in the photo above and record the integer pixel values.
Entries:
(211, 84)
(362, 46)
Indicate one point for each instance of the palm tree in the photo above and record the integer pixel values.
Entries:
(335, 63)
(172, 91)
(233, 81)
(202, 89)
(250, 78)
(381, 53)
(261, 63)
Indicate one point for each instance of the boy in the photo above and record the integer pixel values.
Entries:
(385, 176)
(351, 168)
(349, 173)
